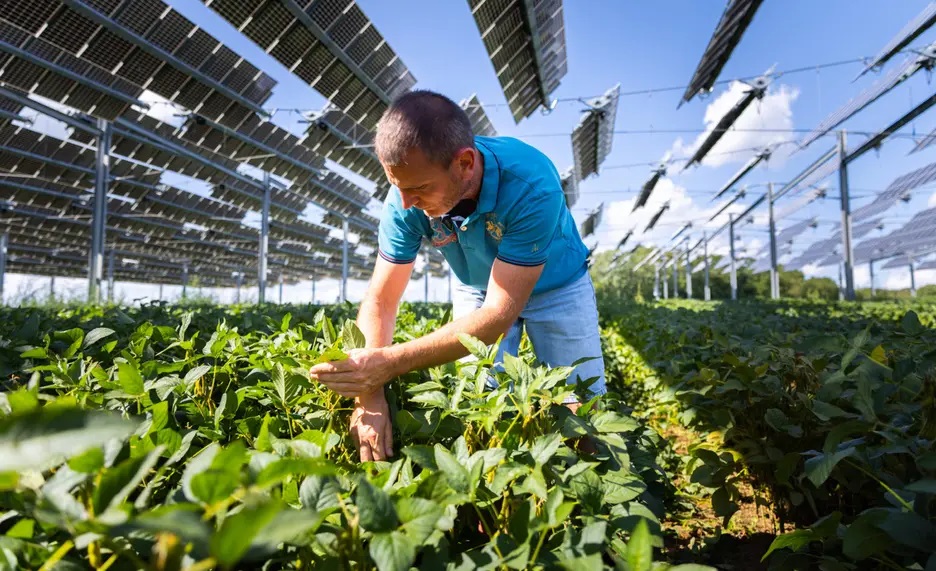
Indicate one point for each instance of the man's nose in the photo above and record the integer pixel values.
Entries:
(408, 201)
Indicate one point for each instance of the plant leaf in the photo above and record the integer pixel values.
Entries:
(40, 437)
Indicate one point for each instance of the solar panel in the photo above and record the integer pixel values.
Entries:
(756, 91)
(918, 235)
(925, 142)
(480, 123)
(594, 134)
(790, 232)
(60, 76)
(525, 40)
(922, 22)
(738, 196)
(648, 187)
(592, 221)
(927, 265)
(734, 21)
(330, 44)
(148, 43)
(656, 217)
(625, 239)
(570, 187)
(896, 76)
(748, 167)
(898, 262)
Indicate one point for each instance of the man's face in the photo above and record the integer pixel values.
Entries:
(430, 187)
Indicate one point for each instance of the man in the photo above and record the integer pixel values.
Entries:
(496, 210)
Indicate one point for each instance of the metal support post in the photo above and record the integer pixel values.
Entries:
(871, 272)
(264, 250)
(774, 273)
(656, 281)
(688, 270)
(160, 291)
(731, 248)
(184, 279)
(313, 286)
(344, 262)
(450, 284)
(665, 285)
(846, 219)
(240, 282)
(707, 289)
(281, 288)
(4, 240)
(99, 212)
(52, 288)
(841, 282)
(675, 275)
(426, 279)
(912, 280)
(110, 277)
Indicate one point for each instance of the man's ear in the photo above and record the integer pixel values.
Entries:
(467, 161)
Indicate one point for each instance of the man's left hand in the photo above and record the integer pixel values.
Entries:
(362, 373)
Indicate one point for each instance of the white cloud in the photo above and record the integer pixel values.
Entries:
(773, 114)
(932, 201)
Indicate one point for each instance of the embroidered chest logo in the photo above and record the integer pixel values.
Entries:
(442, 235)
(493, 226)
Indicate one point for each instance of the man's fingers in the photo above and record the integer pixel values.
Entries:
(388, 438)
(332, 367)
(366, 453)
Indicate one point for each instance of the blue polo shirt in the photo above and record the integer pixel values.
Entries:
(521, 219)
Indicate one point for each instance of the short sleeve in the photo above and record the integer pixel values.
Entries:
(397, 241)
(529, 233)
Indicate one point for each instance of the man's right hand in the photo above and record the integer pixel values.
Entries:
(371, 427)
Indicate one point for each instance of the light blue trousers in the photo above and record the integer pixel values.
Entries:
(562, 325)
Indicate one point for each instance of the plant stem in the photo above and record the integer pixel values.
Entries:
(59, 553)
(202, 565)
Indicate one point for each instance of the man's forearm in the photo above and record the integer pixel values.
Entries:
(443, 346)
(377, 323)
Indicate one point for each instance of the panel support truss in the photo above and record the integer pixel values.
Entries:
(848, 251)
(99, 212)
(707, 289)
(264, 249)
(4, 241)
(774, 274)
(344, 261)
(731, 250)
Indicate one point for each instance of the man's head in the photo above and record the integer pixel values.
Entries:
(425, 144)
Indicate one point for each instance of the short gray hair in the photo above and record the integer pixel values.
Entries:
(422, 120)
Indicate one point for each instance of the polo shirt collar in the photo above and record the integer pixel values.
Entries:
(490, 182)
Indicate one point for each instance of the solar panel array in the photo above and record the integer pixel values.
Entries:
(98, 57)
(911, 65)
(525, 40)
(734, 21)
(594, 134)
(331, 45)
(916, 236)
(927, 265)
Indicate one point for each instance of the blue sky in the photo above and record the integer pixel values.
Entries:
(651, 45)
